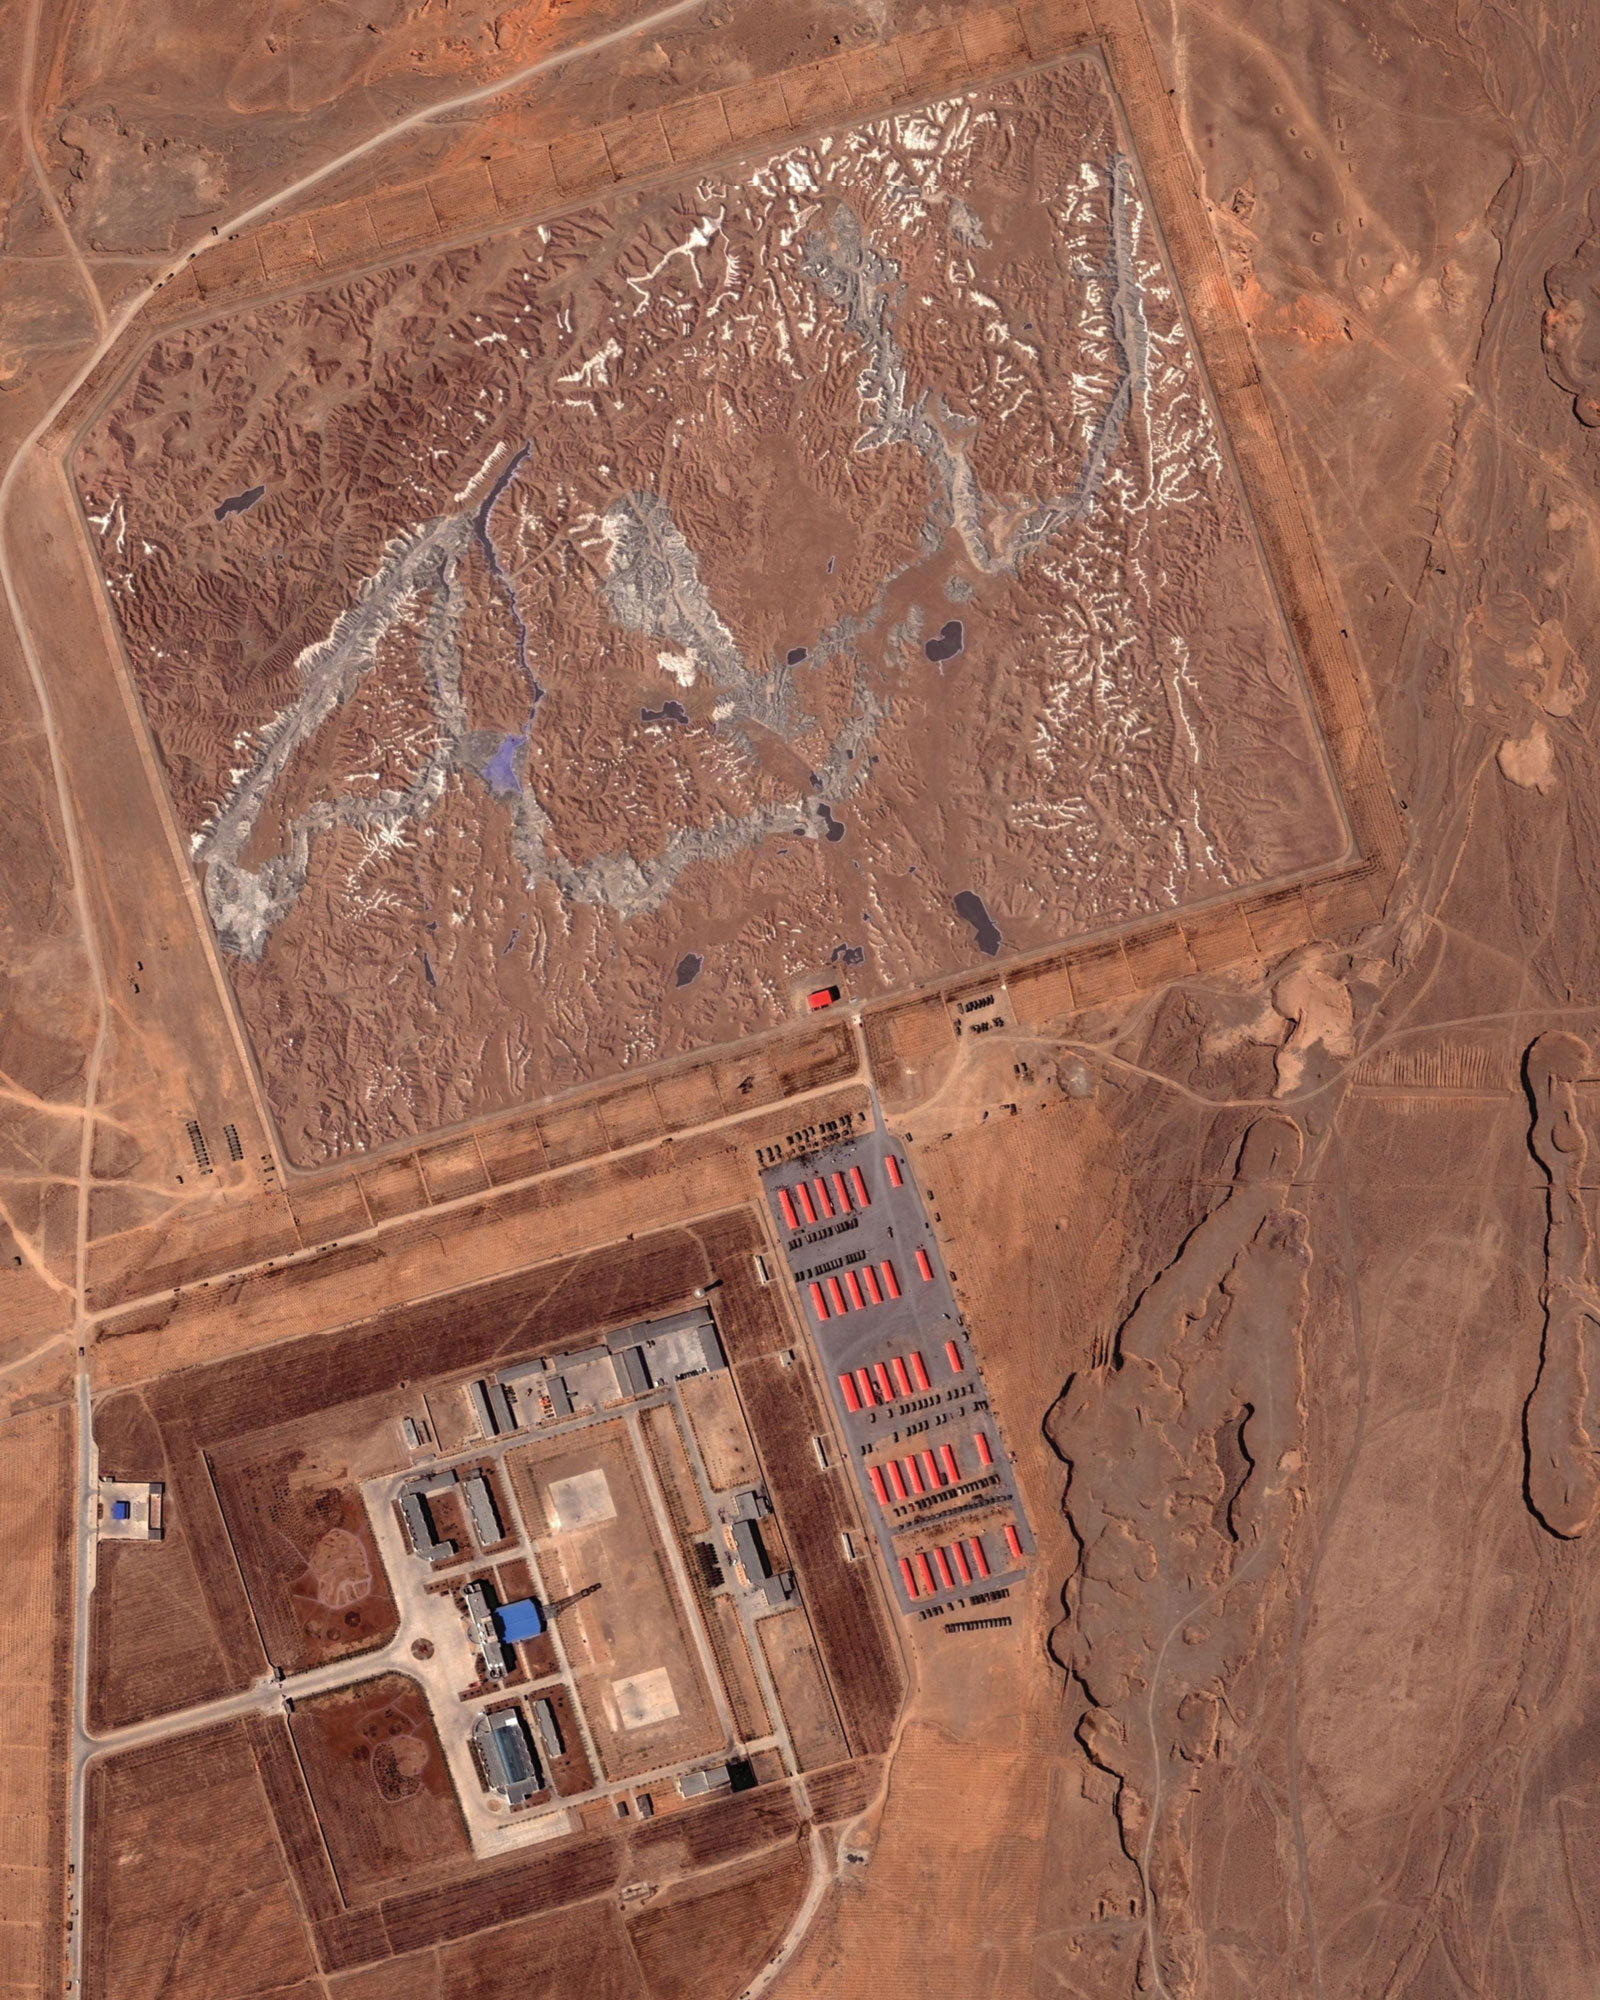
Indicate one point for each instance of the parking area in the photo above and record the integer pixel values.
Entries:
(899, 1363)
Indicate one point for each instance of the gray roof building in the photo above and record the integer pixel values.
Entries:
(481, 1510)
(696, 1784)
(508, 1758)
(549, 1727)
(492, 1408)
(425, 1540)
(633, 1375)
(751, 1551)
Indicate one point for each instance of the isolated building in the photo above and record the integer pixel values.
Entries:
(698, 1784)
(418, 1516)
(132, 1510)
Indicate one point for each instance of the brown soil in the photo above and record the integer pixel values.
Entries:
(1295, 1699)
(309, 1561)
(802, 1689)
(371, 944)
(633, 1625)
(383, 1794)
(712, 1937)
(185, 1891)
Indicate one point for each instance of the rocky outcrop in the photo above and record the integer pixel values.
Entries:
(1563, 1482)
(1185, 1447)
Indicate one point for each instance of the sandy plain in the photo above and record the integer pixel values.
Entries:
(1392, 191)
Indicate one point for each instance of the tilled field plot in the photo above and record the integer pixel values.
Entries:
(186, 1895)
(557, 648)
(383, 1794)
(308, 1557)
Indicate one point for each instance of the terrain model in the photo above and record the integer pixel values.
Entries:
(558, 649)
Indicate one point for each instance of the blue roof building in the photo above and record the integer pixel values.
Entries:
(521, 1620)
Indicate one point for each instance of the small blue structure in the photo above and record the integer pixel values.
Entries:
(522, 1620)
(121, 1510)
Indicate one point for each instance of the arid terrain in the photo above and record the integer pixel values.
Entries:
(533, 541)
(558, 650)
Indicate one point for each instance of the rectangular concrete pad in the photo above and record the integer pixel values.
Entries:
(581, 163)
(696, 129)
(524, 179)
(755, 109)
(637, 146)
(403, 215)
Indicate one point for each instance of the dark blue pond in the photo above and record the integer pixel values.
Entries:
(241, 503)
(971, 909)
(952, 638)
